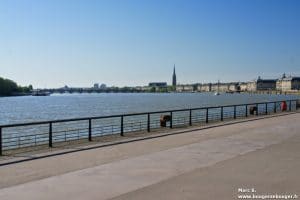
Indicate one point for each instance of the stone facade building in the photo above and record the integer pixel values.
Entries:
(243, 86)
(204, 87)
(288, 83)
(282, 84)
(185, 88)
(261, 85)
(221, 87)
(213, 87)
(233, 87)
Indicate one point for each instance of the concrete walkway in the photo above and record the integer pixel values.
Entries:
(206, 164)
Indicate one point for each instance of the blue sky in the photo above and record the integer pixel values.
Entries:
(132, 42)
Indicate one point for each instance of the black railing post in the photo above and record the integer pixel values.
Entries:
(148, 122)
(90, 129)
(222, 117)
(190, 117)
(234, 112)
(122, 125)
(50, 134)
(237, 113)
(206, 115)
(0, 141)
(171, 120)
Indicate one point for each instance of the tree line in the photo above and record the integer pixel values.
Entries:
(10, 88)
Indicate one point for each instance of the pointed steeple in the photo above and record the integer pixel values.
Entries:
(174, 82)
(174, 70)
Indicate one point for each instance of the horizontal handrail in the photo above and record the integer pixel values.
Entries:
(135, 114)
(117, 124)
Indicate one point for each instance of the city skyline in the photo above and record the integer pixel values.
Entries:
(173, 82)
(50, 44)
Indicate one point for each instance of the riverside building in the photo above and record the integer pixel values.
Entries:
(261, 84)
(185, 88)
(288, 83)
(158, 84)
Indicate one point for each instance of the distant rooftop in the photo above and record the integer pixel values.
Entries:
(290, 78)
(158, 84)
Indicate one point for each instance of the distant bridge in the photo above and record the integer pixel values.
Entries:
(87, 90)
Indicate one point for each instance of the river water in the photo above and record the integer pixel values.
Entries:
(62, 106)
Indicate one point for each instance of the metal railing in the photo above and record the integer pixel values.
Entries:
(15, 136)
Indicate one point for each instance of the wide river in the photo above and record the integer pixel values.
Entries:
(62, 106)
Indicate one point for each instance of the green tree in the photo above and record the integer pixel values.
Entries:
(7, 87)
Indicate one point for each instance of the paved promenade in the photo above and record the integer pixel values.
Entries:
(261, 155)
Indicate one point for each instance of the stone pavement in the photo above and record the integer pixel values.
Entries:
(205, 164)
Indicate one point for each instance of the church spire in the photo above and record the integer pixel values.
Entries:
(174, 82)
(174, 70)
